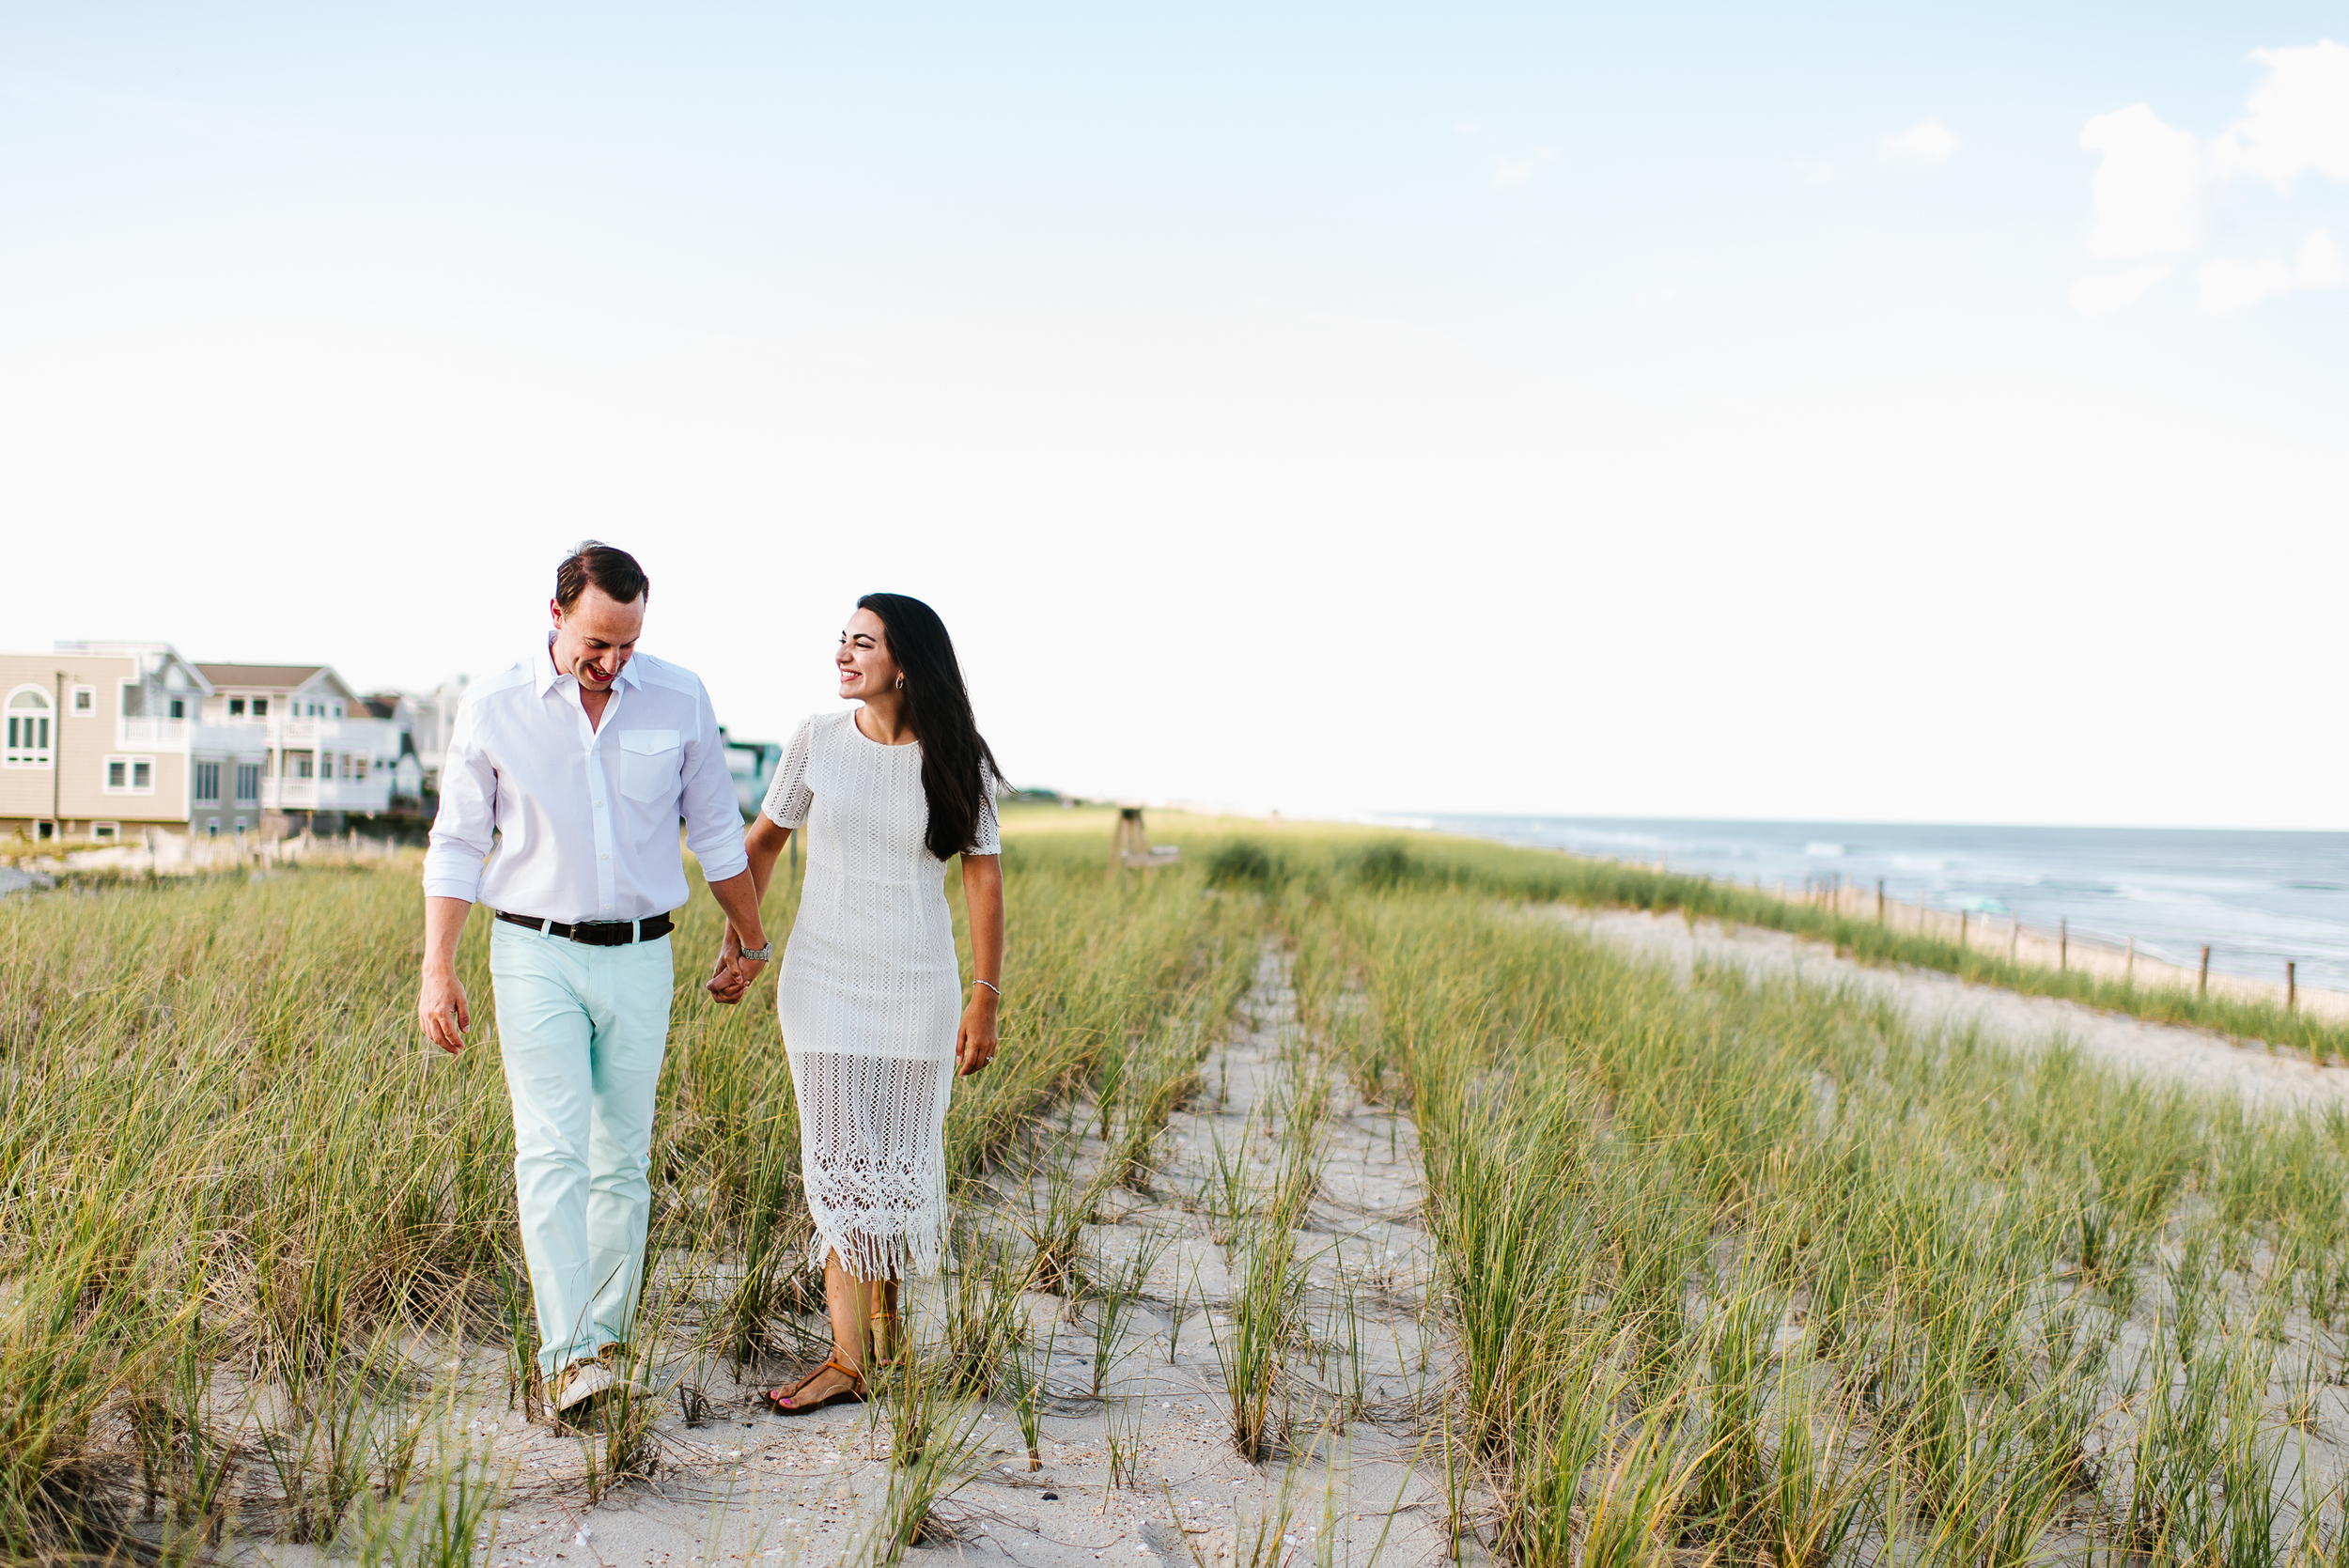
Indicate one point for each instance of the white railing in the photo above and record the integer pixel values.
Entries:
(373, 793)
(250, 737)
(375, 737)
(163, 734)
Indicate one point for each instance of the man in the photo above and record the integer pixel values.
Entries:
(567, 776)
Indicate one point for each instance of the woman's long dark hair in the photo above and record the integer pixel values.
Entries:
(939, 706)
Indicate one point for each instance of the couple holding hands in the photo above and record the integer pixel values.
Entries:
(561, 791)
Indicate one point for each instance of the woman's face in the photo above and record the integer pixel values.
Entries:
(866, 671)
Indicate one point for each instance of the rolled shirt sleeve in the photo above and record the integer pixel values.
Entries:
(464, 829)
(712, 811)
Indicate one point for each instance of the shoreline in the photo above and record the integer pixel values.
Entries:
(2008, 937)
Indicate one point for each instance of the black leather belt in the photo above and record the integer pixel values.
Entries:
(596, 933)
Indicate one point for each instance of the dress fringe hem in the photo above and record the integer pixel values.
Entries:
(876, 1257)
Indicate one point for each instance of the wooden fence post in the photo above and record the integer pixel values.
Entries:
(2064, 945)
(2202, 986)
(2128, 975)
(2014, 935)
(1961, 926)
(1880, 901)
(2292, 987)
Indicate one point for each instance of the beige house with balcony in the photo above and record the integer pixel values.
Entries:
(322, 750)
(112, 740)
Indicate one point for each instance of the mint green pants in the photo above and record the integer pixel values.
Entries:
(580, 1031)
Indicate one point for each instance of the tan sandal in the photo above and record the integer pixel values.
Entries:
(781, 1403)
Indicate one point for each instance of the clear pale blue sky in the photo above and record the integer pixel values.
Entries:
(1643, 409)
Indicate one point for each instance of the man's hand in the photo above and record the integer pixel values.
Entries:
(441, 1000)
(976, 1043)
(440, 1008)
(738, 895)
(731, 981)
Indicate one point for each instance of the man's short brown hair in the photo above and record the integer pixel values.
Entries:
(612, 572)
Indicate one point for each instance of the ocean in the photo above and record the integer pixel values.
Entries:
(2257, 898)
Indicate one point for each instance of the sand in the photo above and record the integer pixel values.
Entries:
(744, 1485)
(2262, 1079)
(2005, 936)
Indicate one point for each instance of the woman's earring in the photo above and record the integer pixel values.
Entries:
(901, 683)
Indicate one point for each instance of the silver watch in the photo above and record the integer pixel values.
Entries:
(759, 954)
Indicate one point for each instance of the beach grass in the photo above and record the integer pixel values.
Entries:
(1311, 855)
(247, 1207)
(1761, 1268)
(1752, 1269)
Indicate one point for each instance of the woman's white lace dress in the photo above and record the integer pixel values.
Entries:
(870, 995)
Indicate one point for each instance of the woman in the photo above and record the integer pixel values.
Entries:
(870, 995)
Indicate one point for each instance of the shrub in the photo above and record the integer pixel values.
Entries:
(1385, 864)
(1245, 863)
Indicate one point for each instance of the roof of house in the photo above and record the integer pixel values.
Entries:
(276, 678)
(280, 677)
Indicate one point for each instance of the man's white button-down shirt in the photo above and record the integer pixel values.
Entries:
(576, 821)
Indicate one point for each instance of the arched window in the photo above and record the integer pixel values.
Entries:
(31, 717)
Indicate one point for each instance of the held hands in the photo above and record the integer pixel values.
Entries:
(976, 1043)
(440, 1008)
(731, 981)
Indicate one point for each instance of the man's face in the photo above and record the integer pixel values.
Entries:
(596, 637)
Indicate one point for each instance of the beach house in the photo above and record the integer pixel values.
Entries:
(116, 740)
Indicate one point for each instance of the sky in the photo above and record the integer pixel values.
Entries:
(1844, 413)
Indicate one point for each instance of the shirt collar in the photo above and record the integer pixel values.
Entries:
(543, 666)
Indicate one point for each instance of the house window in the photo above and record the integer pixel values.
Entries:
(248, 782)
(260, 707)
(211, 828)
(207, 781)
(106, 831)
(236, 707)
(30, 718)
(178, 707)
(358, 769)
(302, 764)
(129, 775)
(240, 828)
(82, 701)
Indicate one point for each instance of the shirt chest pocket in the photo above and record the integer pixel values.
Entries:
(650, 764)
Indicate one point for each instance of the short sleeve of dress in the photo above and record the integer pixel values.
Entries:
(788, 797)
(986, 838)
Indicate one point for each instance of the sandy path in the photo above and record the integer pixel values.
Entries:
(749, 1487)
(2005, 936)
(2264, 1078)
